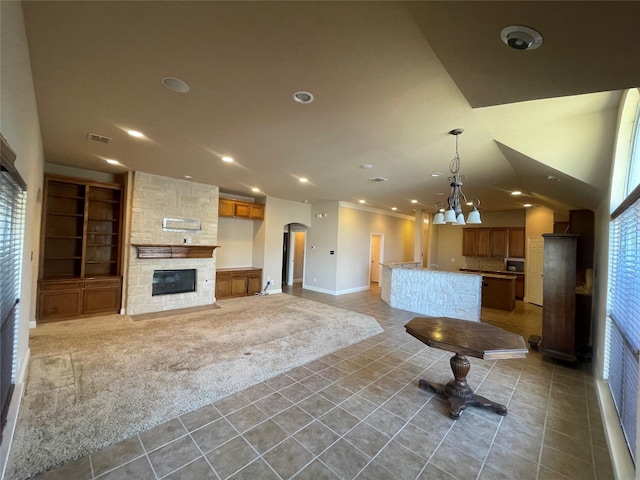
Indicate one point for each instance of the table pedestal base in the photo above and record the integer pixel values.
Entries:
(458, 392)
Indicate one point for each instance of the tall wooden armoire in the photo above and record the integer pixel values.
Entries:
(559, 293)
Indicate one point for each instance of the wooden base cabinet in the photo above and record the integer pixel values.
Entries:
(65, 299)
(237, 282)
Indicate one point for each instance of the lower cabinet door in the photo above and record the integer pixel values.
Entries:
(101, 300)
(59, 304)
(239, 284)
(223, 285)
(254, 283)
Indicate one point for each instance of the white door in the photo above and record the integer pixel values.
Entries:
(376, 259)
(535, 270)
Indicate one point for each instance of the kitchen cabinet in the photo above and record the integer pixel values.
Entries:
(476, 242)
(493, 242)
(235, 208)
(498, 292)
(237, 282)
(468, 242)
(80, 253)
(559, 295)
(519, 286)
(516, 243)
(498, 242)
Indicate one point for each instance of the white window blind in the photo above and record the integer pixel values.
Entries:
(622, 348)
(12, 200)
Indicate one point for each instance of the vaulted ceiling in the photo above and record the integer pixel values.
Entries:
(390, 80)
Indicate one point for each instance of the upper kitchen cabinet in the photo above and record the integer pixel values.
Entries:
(476, 242)
(516, 243)
(493, 242)
(498, 242)
(235, 208)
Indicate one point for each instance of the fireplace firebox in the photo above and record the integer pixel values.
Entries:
(168, 282)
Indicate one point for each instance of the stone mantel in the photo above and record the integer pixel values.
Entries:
(175, 251)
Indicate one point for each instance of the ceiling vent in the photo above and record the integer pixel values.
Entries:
(98, 138)
(378, 179)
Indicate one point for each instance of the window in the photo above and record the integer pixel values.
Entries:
(623, 300)
(12, 198)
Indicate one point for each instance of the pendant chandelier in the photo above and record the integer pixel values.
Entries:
(453, 213)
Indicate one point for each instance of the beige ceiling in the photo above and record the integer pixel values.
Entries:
(390, 81)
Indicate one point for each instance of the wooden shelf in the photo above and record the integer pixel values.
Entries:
(175, 251)
(69, 254)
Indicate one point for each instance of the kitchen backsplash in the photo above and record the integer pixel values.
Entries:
(485, 263)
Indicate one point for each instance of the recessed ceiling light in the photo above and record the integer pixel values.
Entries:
(362, 201)
(112, 162)
(227, 159)
(516, 192)
(394, 208)
(378, 179)
(436, 174)
(303, 180)
(440, 194)
(366, 166)
(188, 177)
(255, 189)
(527, 205)
(302, 97)
(175, 84)
(135, 133)
(414, 201)
(469, 204)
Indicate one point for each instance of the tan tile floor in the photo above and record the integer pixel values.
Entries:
(358, 413)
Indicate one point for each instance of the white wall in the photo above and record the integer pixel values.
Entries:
(235, 237)
(539, 221)
(321, 266)
(355, 226)
(268, 236)
(20, 126)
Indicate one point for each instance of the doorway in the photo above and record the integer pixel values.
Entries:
(535, 270)
(293, 253)
(376, 248)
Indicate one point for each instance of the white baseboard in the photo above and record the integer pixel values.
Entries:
(336, 292)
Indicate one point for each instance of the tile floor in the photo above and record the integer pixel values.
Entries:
(358, 413)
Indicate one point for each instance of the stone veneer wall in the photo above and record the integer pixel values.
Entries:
(154, 198)
(433, 293)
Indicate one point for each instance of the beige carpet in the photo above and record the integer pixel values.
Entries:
(93, 382)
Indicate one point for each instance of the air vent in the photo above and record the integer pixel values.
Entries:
(378, 179)
(98, 138)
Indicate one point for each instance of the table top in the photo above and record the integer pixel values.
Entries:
(475, 339)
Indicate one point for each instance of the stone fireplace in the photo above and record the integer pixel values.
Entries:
(154, 199)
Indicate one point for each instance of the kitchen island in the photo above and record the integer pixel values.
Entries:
(498, 288)
(432, 292)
